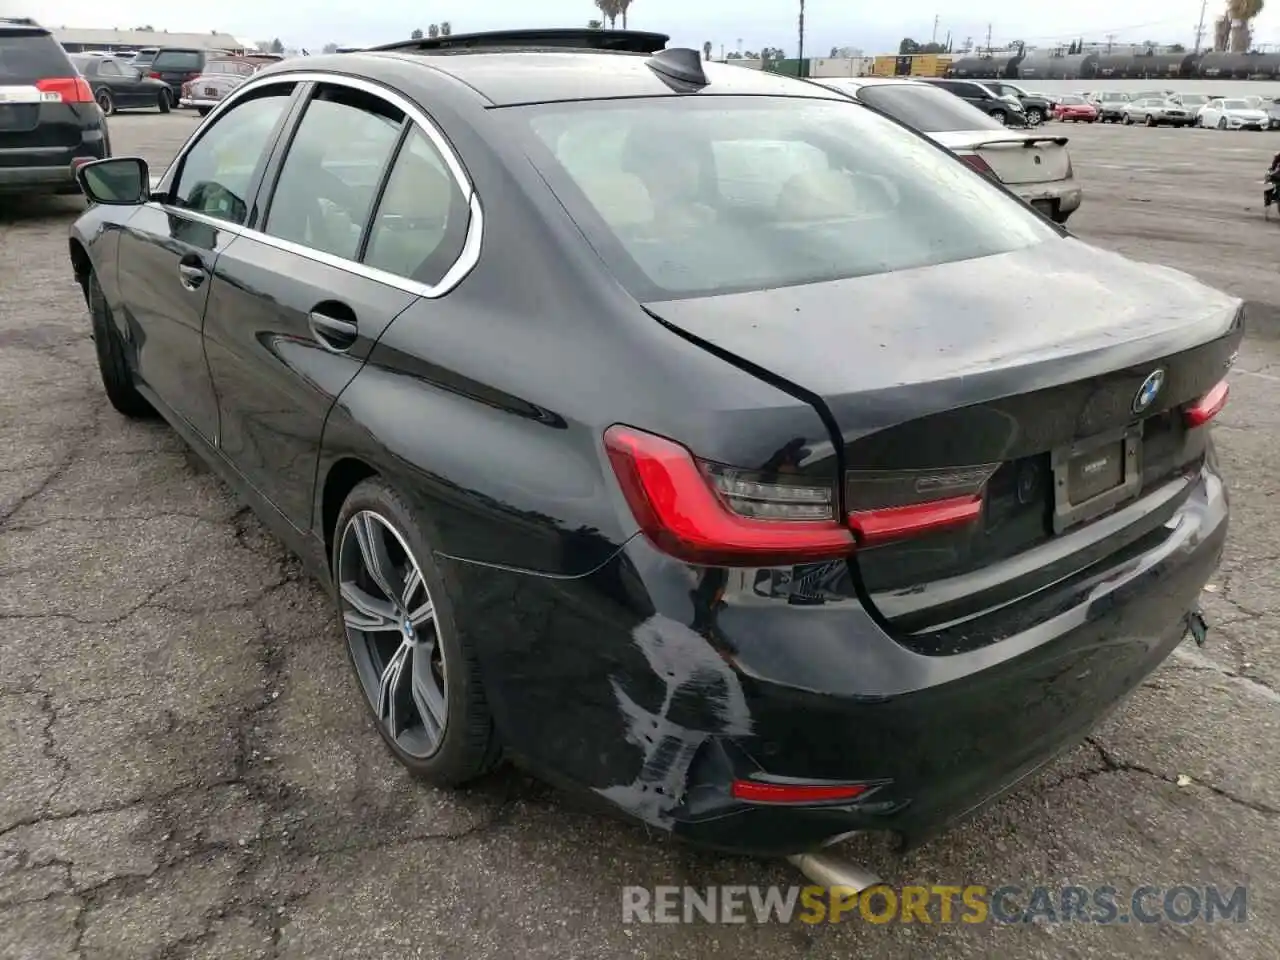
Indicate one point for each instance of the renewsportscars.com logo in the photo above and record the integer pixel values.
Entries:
(969, 904)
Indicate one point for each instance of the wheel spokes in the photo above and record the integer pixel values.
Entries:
(392, 689)
(428, 697)
(370, 614)
(373, 551)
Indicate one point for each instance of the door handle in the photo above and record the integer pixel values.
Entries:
(338, 335)
(192, 276)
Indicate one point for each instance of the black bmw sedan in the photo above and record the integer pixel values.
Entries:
(690, 434)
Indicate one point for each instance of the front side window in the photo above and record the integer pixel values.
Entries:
(421, 223)
(218, 171)
(331, 174)
(926, 108)
(685, 197)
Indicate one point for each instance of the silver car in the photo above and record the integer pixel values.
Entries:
(1154, 111)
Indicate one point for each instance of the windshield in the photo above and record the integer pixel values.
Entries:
(1193, 99)
(685, 197)
(1235, 105)
(925, 108)
(1111, 97)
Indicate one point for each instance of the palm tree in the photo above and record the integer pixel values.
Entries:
(706, 50)
(446, 28)
(800, 55)
(1242, 14)
(610, 9)
(433, 31)
(622, 9)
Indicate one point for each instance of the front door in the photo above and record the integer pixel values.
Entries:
(170, 248)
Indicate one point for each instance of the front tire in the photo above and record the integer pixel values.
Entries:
(116, 378)
(999, 117)
(165, 101)
(1222, 123)
(418, 672)
(1151, 121)
(106, 103)
(1035, 117)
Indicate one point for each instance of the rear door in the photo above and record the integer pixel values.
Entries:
(38, 127)
(170, 248)
(298, 301)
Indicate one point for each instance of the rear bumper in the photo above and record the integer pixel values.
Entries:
(194, 103)
(1065, 195)
(45, 177)
(655, 685)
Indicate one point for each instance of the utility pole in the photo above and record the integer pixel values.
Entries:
(934, 38)
(800, 56)
(1200, 25)
(988, 39)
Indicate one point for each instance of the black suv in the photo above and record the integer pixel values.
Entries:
(49, 122)
(1036, 106)
(1007, 109)
(174, 65)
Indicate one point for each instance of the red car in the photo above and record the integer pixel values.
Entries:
(1075, 109)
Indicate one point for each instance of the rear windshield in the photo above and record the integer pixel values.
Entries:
(233, 67)
(685, 197)
(177, 60)
(1188, 99)
(926, 108)
(1235, 104)
(28, 55)
(1072, 101)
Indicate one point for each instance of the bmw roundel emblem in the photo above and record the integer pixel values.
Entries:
(1147, 393)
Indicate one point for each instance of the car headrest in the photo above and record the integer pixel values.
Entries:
(816, 195)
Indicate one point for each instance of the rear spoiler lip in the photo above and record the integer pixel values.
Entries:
(1026, 141)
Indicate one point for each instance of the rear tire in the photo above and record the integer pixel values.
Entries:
(106, 103)
(1128, 120)
(165, 101)
(459, 743)
(999, 117)
(1151, 121)
(116, 379)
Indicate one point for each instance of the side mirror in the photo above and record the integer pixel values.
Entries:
(117, 181)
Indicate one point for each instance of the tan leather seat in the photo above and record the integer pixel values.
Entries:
(621, 199)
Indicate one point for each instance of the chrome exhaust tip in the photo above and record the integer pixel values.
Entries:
(829, 870)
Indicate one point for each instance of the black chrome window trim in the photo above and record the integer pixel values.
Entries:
(467, 258)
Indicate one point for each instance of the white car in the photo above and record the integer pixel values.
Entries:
(1035, 166)
(1232, 114)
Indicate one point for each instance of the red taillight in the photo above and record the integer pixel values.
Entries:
(756, 791)
(705, 513)
(896, 523)
(154, 75)
(69, 89)
(1207, 407)
(975, 161)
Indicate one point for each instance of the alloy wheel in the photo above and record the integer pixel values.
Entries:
(392, 632)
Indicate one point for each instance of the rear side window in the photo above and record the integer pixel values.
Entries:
(421, 223)
(218, 171)
(330, 177)
(30, 55)
(685, 197)
(926, 108)
(178, 60)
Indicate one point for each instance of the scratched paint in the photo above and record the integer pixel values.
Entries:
(685, 662)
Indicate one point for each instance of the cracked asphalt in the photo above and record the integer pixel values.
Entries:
(186, 769)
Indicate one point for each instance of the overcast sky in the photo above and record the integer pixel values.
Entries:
(872, 27)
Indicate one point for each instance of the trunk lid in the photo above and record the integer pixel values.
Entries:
(1020, 369)
(1014, 157)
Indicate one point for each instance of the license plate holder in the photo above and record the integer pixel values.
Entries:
(1093, 476)
(210, 91)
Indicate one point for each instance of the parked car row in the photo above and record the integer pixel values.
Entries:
(1155, 108)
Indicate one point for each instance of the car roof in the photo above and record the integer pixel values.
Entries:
(520, 67)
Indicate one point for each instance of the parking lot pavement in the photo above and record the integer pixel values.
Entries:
(186, 771)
